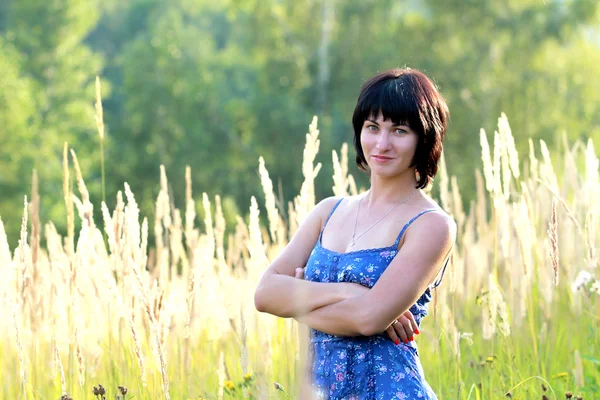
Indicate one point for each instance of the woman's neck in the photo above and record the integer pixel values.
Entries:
(390, 191)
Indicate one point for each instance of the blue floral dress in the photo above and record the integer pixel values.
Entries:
(364, 367)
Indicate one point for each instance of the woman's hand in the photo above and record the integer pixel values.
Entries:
(403, 328)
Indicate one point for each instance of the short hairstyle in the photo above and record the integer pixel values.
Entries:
(405, 96)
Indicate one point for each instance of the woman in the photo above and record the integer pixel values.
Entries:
(371, 260)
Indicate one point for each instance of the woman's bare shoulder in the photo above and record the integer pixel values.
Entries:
(325, 206)
(435, 223)
(438, 218)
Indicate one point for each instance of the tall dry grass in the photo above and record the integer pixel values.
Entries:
(176, 319)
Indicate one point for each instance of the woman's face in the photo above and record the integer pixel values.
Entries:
(388, 148)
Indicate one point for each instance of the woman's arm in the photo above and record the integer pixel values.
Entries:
(279, 293)
(341, 319)
(285, 296)
(402, 283)
(340, 324)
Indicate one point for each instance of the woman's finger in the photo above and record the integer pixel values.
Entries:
(392, 334)
(413, 322)
(408, 328)
(299, 273)
(404, 329)
(400, 331)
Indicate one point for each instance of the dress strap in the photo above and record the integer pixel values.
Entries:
(439, 281)
(410, 222)
(330, 214)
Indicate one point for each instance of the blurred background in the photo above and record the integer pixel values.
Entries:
(216, 84)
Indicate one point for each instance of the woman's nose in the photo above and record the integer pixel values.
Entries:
(383, 141)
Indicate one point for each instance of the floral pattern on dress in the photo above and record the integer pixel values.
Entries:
(364, 368)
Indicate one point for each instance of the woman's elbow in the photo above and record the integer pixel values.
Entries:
(368, 330)
(264, 303)
(259, 300)
(367, 325)
(261, 295)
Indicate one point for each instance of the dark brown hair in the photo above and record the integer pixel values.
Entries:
(405, 96)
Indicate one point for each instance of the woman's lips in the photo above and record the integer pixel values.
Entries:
(381, 159)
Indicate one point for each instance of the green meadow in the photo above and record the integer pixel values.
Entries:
(517, 314)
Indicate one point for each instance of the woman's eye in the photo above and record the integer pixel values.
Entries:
(372, 127)
(400, 131)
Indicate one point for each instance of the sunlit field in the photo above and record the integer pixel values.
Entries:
(517, 315)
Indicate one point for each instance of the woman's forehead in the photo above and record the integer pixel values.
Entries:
(379, 117)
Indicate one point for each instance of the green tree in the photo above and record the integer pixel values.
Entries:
(54, 79)
(17, 111)
(214, 85)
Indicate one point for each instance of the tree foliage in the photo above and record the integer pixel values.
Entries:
(214, 85)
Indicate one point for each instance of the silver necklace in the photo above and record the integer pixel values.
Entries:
(354, 237)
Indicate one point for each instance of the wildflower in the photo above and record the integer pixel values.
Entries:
(248, 376)
(581, 281)
(467, 336)
(99, 391)
(595, 287)
(122, 390)
(561, 375)
(229, 385)
(568, 395)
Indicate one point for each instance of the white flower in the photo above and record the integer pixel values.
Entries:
(581, 281)
(595, 287)
(467, 336)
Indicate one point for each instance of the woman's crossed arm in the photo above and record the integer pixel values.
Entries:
(280, 293)
(403, 282)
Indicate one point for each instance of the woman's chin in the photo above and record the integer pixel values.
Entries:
(386, 173)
